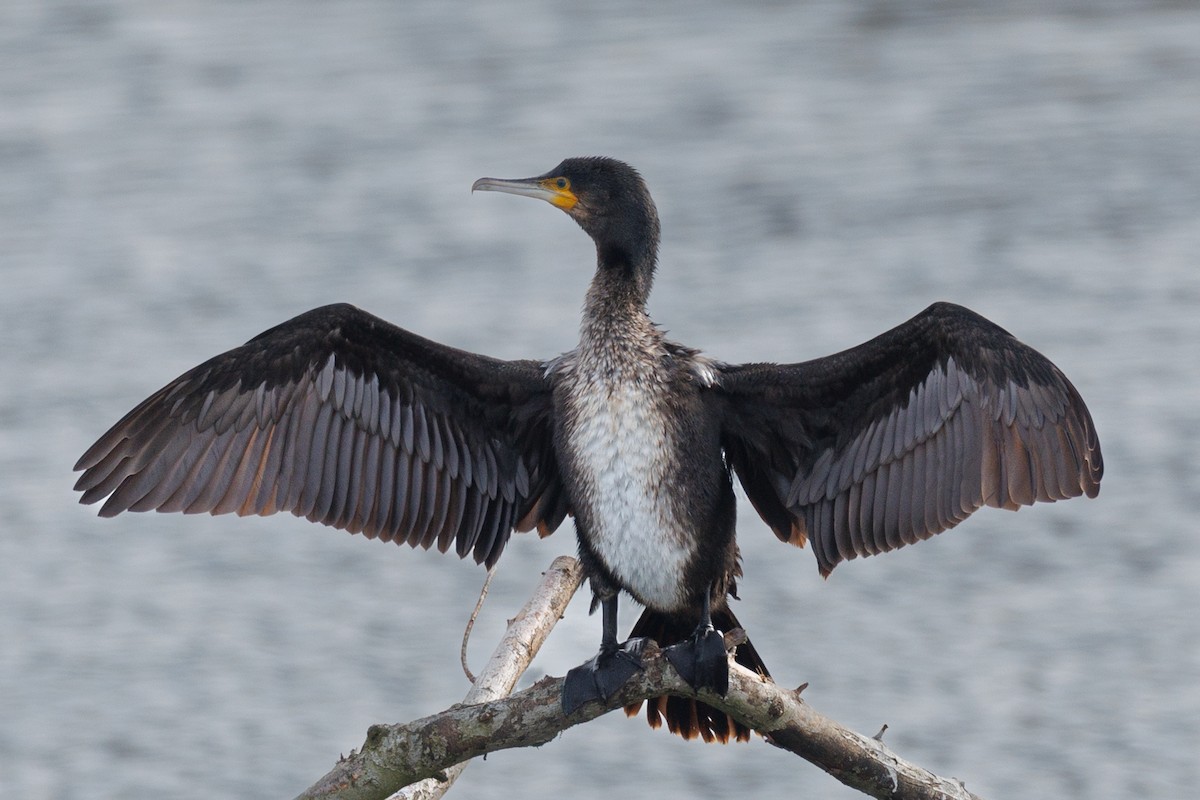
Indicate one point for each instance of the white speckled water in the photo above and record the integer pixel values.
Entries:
(177, 177)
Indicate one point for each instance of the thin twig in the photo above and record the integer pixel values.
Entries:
(483, 592)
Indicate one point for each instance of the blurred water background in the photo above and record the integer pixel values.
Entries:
(176, 177)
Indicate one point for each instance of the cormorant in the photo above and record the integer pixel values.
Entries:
(347, 420)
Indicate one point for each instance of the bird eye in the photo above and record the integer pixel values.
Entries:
(562, 183)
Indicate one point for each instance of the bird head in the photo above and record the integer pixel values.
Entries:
(609, 200)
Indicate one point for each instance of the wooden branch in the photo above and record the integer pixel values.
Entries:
(526, 633)
(394, 756)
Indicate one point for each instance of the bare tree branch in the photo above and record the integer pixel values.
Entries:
(394, 756)
(526, 633)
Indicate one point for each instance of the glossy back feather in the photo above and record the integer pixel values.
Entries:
(343, 419)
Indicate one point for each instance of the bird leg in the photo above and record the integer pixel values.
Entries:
(603, 675)
(702, 660)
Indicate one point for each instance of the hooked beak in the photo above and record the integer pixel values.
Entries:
(542, 188)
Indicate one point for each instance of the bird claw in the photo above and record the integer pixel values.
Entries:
(702, 661)
(602, 676)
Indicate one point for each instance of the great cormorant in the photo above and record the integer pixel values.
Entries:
(347, 420)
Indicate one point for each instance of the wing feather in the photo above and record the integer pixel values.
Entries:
(171, 489)
(342, 418)
(221, 471)
(906, 435)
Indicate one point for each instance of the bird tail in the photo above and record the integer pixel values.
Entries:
(686, 716)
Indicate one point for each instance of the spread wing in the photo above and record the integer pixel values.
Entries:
(347, 420)
(906, 435)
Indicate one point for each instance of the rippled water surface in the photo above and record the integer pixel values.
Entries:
(176, 177)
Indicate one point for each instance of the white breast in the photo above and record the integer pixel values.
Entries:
(621, 448)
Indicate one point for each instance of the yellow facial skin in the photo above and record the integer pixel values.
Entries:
(560, 189)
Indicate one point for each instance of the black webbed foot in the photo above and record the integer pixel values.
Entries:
(701, 660)
(602, 676)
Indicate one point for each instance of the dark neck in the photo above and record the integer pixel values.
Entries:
(621, 285)
(626, 253)
(626, 239)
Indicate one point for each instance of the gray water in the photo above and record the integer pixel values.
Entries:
(176, 177)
